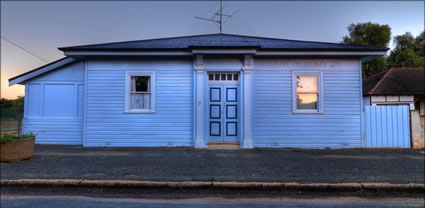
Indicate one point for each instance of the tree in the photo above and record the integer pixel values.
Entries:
(420, 44)
(369, 34)
(409, 51)
(17, 105)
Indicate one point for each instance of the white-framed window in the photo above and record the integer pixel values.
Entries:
(218, 76)
(140, 92)
(307, 92)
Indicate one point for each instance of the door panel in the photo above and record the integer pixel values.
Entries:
(231, 129)
(215, 94)
(223, 113)
(215, 111)
(215, 128)
(231, 95)
(231, 111)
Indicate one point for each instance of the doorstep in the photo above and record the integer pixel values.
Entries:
(224, 145)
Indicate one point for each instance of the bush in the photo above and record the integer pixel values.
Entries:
(11, 137)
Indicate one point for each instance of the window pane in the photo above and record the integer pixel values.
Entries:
(223, 76)
(235, 77)
(211, 76)
(307, 101)
(217, 76)
(139, 83)
(306, 83)
(229, 76)
(140, 101)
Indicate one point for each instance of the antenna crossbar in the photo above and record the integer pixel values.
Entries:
(211, 20)
(220, 14)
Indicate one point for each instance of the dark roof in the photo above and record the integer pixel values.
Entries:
(396, 81)
(222, 41)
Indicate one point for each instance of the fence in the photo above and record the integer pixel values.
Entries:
(387, 126)
(10, 122)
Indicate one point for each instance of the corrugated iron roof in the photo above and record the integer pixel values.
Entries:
(396, 81)
(223, 41)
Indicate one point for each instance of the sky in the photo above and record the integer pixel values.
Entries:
(42, 26)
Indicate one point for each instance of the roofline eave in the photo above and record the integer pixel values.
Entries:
(365, 55)
(41, 70)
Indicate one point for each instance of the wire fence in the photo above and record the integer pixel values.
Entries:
(10, 122)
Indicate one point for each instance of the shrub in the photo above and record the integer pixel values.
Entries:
(11, 137)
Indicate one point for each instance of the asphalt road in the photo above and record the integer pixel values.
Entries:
(187, 164)
(86, 202)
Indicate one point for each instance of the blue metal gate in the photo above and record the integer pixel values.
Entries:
(386, 126)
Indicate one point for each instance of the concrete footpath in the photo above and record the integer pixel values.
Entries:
(289, 169)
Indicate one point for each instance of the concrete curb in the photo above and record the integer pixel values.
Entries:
(417, 187)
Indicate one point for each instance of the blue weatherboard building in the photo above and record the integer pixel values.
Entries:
(194, 90)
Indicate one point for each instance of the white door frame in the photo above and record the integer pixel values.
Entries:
(200, 104)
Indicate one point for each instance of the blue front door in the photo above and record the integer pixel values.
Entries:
(223, 111)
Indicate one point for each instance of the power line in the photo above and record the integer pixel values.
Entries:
(22, 48)
(240, 17)
(231, 21)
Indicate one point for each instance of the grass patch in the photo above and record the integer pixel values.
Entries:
(11, 137)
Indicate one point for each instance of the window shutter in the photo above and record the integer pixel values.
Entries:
(422, 107)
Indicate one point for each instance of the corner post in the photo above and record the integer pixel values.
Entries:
(247, 102)
(200, 70)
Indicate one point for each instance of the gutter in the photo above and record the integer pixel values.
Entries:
(224, 51)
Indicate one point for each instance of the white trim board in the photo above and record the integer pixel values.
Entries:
(336, 53)
(128, 53)
(223, 51)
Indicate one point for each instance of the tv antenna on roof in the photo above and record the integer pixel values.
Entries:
(220, 14)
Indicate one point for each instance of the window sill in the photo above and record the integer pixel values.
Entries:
(139, 112)
(307, 112)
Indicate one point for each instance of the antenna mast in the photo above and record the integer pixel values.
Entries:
(220, 14)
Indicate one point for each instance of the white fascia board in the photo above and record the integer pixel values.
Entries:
(127, 53)
(308, 53)
(224, 51)
(40, 71)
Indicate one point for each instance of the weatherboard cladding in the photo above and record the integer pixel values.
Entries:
(274, 123)
(222, 41)
(41, 111)
(170, 125)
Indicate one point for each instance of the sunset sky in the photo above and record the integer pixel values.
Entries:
(42, 27)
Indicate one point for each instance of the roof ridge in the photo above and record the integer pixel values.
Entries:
(380, 81)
